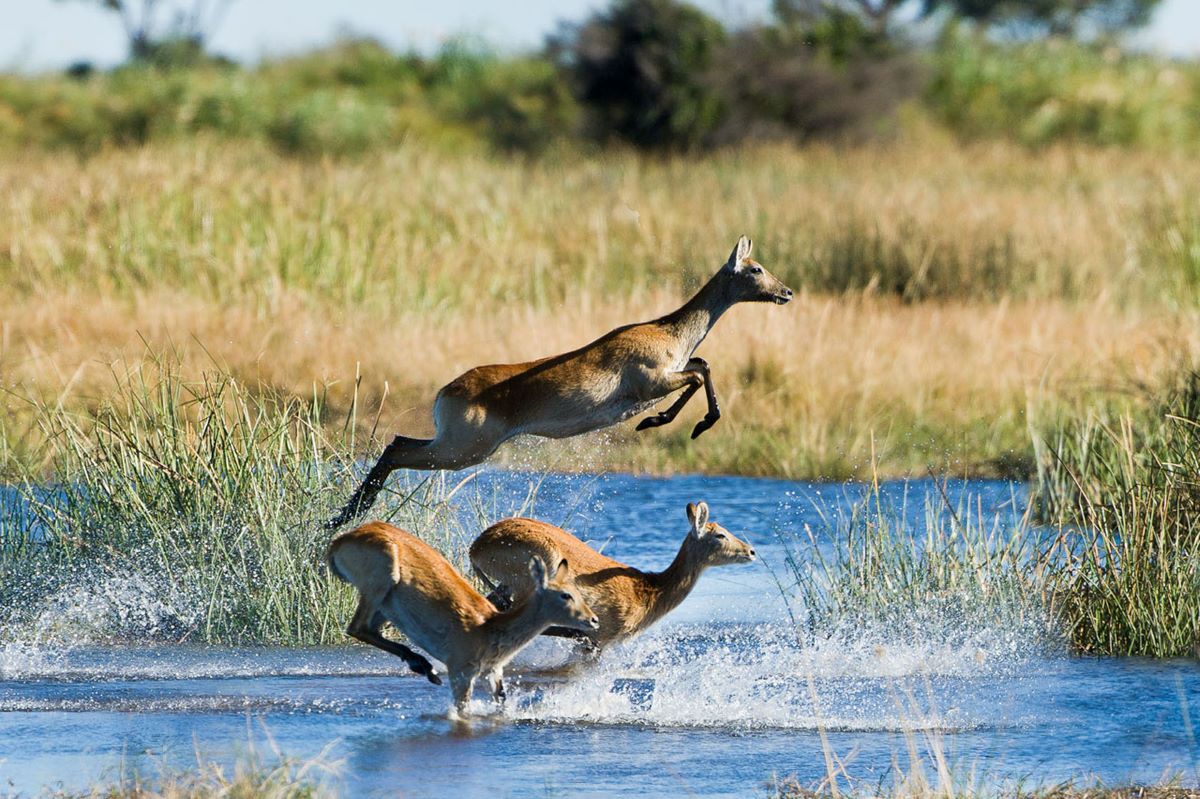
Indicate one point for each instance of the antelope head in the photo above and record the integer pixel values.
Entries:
(748, 281)
(558, 599)
(711, 543)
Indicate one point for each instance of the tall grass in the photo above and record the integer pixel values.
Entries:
(956, 578)
(1128, 488)
(1112, 566)
(190, 510)
(947, 293)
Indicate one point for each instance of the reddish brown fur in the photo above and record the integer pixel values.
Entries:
(617, 376)
(407, 582)
(627, 600)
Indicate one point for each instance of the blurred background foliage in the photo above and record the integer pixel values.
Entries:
(657, 75)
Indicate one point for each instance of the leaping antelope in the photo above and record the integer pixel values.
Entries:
(626, 600)
(403, 580)
(616, 377)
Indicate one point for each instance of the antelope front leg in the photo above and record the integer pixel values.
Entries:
(693, 378)
(496, 678)
(710, 393)
(461, 684)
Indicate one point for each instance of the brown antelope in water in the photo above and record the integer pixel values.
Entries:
(403, 580)
(616, 377)
(626, 600)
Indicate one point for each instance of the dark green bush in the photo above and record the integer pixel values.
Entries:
(780, 83)
(642, 69)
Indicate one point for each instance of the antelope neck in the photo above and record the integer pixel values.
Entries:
(676, 581)
(514, 627)
(697, 316)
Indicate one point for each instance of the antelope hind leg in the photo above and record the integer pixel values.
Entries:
(392, 458)
(365, 627)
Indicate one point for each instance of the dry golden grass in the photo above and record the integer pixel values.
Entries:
(946, 291)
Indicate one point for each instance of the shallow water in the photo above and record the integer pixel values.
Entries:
(711, 703)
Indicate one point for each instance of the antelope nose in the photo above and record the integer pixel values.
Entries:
(788, 293)
(595, 622)
(753, 554)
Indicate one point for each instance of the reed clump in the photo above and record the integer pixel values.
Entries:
(1125, 489)
(188, 510)
(1106, 559)
(942, 575)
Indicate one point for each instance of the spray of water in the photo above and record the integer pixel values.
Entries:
(757, 676)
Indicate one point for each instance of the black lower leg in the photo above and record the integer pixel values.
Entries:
(417, 662)
(567, 632)
(714, 409)
(501, 598)
(364, 495)
(668, 416)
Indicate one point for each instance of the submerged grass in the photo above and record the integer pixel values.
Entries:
(252, 776)
(192, 510)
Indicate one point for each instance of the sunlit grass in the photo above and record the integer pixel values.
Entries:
(949, 295)
(192, 510)
(1127, 489)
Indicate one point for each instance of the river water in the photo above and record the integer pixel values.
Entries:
(720, 697)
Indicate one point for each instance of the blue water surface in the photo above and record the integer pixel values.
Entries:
(713, 702)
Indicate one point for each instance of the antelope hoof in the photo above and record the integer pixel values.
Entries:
(658, 420)
(424, 667)
(704, 424)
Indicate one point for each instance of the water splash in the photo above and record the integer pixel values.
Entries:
(760, 676)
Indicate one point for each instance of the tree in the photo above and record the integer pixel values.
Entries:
(640, 70)
(182, 37)
(1059, 17)
(877, 13)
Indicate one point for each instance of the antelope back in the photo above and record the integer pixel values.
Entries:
(378, 558)
(501, 552)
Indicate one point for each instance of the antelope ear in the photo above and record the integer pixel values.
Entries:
(563, 571)
(741, 251)
(697, 517)
(537, 570)
(702, 515)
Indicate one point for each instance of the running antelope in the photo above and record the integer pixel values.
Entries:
(403, 580)
(626, 600)
(616, 377)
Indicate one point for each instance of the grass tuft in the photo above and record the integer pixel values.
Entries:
(1126, 490)
(192, 510)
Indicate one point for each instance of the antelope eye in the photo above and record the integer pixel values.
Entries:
(565, 597)
(756, 270)
(721, 535)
